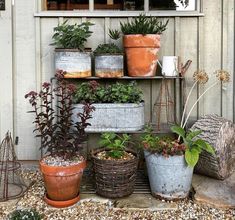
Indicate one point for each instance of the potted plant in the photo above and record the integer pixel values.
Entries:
(170, 162)
(115, 166)
(118, 107)
(70, 53)
(63, 165)
(141, 41)
(108, 61)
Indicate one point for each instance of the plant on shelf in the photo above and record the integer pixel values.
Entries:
(141, 41)
(69, 40)
(176, 159)
(94, 92)
(119, 107)
(61, 138)
(115, 166)
(109, 59)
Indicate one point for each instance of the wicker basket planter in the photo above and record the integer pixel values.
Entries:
(114, 178)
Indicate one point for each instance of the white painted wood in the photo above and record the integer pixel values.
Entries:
(228, 58)
(6, 71)
(188, 51)
(207, 40)
(212, 53)
(117, 14)
(47, 50)
(25, 79)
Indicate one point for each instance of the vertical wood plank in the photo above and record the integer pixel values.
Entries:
(25, 77)
(212, 52)
(6, 100)
(188, 51)
(47, 50)
(228, 48)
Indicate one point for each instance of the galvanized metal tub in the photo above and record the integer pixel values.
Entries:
(109, 65)
(109, 117)
(76, 64)
(170, 178)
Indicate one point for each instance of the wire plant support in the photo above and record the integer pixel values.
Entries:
(11, 184)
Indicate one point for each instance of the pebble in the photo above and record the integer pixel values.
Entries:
(87, 210)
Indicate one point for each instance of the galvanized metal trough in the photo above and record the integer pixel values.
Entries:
(111, 117)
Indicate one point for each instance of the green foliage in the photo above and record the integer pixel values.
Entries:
(27, 214)
(144, 25)
(114, 34)
(115, 144)
(93, 92)
(107, 49)
(71, 35)
(194, 145)
(164, 145)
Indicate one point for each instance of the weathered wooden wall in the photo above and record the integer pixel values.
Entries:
(207, 40)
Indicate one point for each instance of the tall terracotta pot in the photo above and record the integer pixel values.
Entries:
(141, 53)
(62, 183)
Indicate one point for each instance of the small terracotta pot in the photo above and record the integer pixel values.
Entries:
(62, 183)
(141, 53)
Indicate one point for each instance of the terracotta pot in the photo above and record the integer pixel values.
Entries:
(62, 183)
(141, 53)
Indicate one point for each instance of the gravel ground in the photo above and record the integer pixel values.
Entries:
(91, 210)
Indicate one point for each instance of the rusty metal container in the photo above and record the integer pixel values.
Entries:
(109, 65)
(170, 178)
(111, 117)
(77, 64)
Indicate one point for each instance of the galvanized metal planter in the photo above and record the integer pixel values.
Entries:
(114, 117)
(170, 178)
(77, 64)
(109, 65)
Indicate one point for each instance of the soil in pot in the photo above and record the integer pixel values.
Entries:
(115, 178)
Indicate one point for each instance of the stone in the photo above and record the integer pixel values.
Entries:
(132, 202)
(217, 193)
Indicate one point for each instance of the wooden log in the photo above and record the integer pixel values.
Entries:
(220, 133)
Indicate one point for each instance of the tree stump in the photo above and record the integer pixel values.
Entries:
(220, 134)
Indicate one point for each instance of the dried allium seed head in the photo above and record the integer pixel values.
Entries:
(200, 76)
(222, 75)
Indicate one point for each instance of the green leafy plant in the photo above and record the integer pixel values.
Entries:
(93, 92)
(114, 34)
(165, 145)
(194, 146)
(107, 49)
(143, 25)
(27, 214)
(71, 35)
(115, 144)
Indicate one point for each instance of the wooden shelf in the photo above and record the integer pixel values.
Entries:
(129, 78)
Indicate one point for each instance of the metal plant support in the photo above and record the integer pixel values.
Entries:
(11, 184)
(164, 108)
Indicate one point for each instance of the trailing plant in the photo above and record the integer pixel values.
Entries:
(107, 49)
(115, 144)
(28, 214)
(143, 25)
(93, 92)
(53, 111)
(71, 35)
(164, 145)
